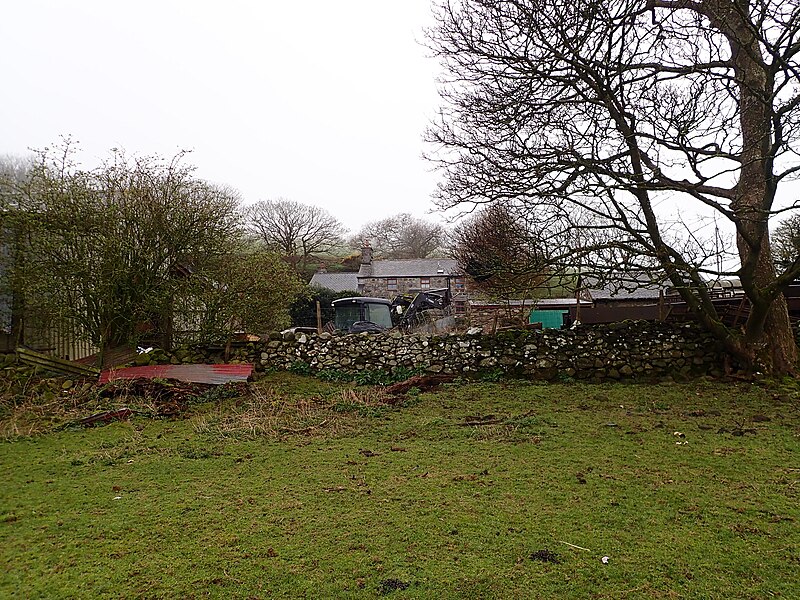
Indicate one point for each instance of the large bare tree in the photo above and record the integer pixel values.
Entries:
(634, 119)
(401, 236)
(296, 230)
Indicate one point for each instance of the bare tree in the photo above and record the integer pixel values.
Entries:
(786, 241)
(295, 230)
(14, 170)
(15, 173)
(401, 236)
(615, 115)
(499, 253)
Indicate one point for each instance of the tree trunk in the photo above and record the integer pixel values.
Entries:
(768, 331)
(768, 339)
(780, 348)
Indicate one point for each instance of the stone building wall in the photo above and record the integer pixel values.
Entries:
(489, 316)
(378, 286)
(629, 350)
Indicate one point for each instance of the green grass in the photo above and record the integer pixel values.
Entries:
(320, 490)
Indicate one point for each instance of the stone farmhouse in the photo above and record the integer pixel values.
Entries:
(388, 278)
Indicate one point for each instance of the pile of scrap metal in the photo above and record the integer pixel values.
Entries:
(192, 373)
(209, 374)
(375, 315)
(168, 389)
(44, 362)
(409, 308)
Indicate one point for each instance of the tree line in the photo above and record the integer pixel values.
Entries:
(302, 232)
(139, 249)
(567, 131)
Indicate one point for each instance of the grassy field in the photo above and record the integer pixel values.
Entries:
(482, 490)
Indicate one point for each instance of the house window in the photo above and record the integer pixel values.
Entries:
(391, 284)
(460, 283)
(461, 307)
(424, 283)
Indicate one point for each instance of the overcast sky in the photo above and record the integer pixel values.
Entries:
(317, 101)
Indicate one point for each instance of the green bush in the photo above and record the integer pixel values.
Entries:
(300, 368)
(334, 375)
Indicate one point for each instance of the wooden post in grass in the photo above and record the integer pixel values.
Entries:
(319, 318)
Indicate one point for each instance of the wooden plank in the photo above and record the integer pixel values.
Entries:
(57, 365)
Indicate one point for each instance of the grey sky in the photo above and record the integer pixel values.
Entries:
(321, 102)
(317, 101)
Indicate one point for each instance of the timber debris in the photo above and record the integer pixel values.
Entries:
(423, 383)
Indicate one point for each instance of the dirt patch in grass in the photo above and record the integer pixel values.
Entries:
(387, 586)
(546, 556)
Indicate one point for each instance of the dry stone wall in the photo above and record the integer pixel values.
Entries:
(628, 350)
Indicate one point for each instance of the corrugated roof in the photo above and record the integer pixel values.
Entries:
(413, 267)
(726, 283)
(544, 303)
(338, 282)
(213, 374)
(486, 303)
(625, 294)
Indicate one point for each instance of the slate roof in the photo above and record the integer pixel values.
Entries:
(414, 267)
(626, 288)
(338, 282)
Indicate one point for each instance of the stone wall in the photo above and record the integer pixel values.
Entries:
(378, 286)
(628, 350)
